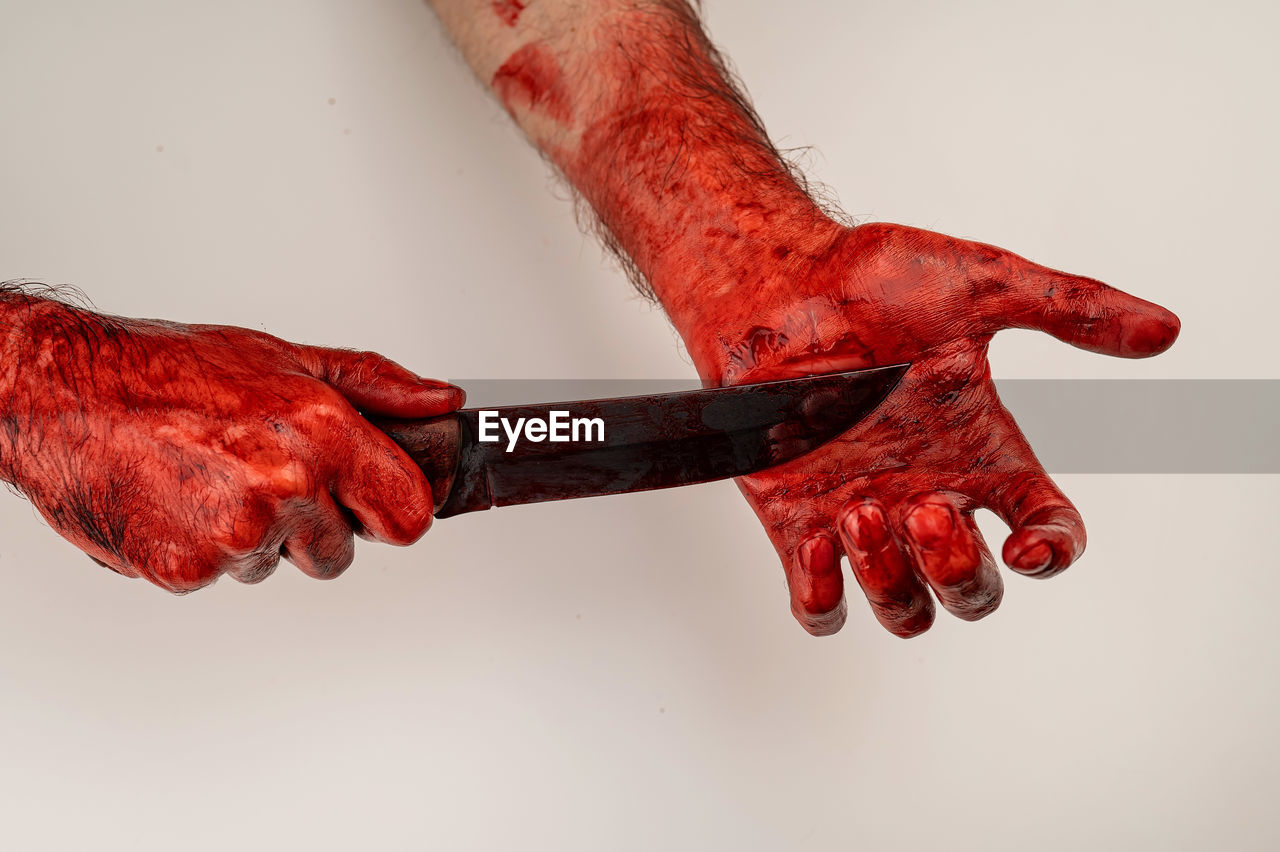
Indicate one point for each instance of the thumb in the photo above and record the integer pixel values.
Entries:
(1089, 314)
(377, 385)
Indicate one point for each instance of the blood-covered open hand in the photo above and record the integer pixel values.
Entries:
(897, 493)
(637, 109)
(180, 452)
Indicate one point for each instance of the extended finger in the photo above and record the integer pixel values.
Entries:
(378, 385)
(1048, 532)
(952, 556)
(320, 543)
(898, 598)
(816, 585)
(1084, 312)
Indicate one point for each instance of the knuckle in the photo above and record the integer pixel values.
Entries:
(324, 408)
(256, 567)
(337, 556)
(185, 572)
(370, 364)
(933, 526)
(961, 574)
(859, 506)
(923, 498)
(1027, 487)
(324, 559)
(248, 529)
(974, 602)
(399, 506)
(408, 525)
(332, 567)
(821, 623)
(357, 366)
(907, 619)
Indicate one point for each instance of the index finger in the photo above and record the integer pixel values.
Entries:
(381, 486)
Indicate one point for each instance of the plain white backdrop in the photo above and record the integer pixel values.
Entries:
(624, 673)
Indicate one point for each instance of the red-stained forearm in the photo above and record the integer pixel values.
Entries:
(632, 103)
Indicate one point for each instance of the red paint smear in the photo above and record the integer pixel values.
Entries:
(531, 80)
(508, 10)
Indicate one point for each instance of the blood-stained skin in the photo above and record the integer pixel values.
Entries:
(181, 452)
(531, 80)
(508, 11)
(898, 492)
(763, 283)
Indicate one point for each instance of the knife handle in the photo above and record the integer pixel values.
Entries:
(434, 445)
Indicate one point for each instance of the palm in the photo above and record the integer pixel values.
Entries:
(897, 493)
(895, 453)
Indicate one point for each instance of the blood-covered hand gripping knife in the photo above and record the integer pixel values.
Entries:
(649, 442)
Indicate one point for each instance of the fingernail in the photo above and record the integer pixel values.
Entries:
(817, 553)
(1034, 559)
(868, 528)
(931, 525)
(1151, 335)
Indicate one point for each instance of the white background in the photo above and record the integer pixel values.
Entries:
(624, 673)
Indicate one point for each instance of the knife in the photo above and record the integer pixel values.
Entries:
(475, 459)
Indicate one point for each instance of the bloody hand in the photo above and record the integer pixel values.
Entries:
(635, 106)
(180, 452)
(897, 493)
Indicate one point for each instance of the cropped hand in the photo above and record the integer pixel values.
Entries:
(181, 452)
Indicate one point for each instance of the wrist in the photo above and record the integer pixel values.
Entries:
(39, 336)
(732, 293)
(15, 313)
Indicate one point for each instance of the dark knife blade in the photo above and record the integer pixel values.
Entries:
(656, 441)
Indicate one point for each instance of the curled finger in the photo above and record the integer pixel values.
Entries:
(952, 556)
(816, 586)
(257, 566)
(320, 543)
(388, 495)
(1048, 533)
(898, 598)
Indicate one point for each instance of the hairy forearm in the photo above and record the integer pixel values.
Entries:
(11, 312)
(22, 311)
(54, 358)
(10, 327)
(632, 103)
